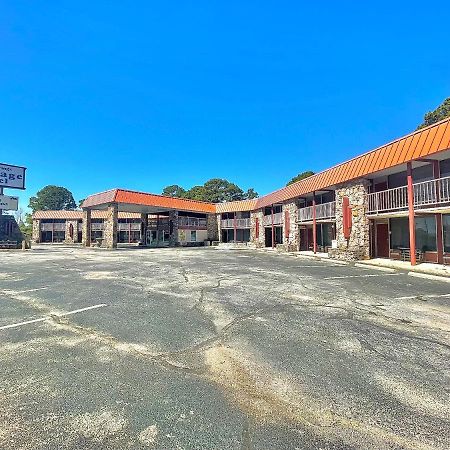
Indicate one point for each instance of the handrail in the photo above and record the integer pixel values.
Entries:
(323, 211)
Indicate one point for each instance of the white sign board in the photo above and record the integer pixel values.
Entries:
(12, 176)
(9, 203)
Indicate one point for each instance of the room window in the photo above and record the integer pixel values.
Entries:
(193, 236)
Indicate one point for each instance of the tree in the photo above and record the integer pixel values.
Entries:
(300, 176)
(196, 193)
(26, 227)
(174, 191)
(440, 113)
(80, 202)
(250, 194)
(52, 197)
(218, 190)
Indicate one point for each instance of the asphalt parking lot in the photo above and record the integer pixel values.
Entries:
(218, 349)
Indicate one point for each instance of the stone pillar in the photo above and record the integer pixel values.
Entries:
(110, 230)
(260, 240)
(86, 228)
(74, 238)
(36, 233)
(212, 225)
(144, 225)
(358, 245)
(173, 228)
(291, 242)
(219, 227)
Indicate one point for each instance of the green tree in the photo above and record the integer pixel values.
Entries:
(218, 190)
(80, 202)
(52, 197)
(440, 113)
(174, 191)
(196, 193)
(26, 227)
(250, 194)
(300, 176)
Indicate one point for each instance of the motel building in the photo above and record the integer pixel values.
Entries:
(391, 202)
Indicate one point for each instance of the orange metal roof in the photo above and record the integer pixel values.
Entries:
(419, 144)
(142, 198)
(78, 214)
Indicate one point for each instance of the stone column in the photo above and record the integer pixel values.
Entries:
(144, 225)
(291, 243)
(260, 240)
(74, 238)
(219, 227)
(173, 227)
(36, 233)
(212, 225)
(110, 230)
(358, 245)
(86, 228)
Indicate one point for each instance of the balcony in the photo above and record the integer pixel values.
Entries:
(323, 211)
(61, 226)
(240, 223)
(97, 226)
(277, 219)
(129, 226)
(427, 195)
(191, 222)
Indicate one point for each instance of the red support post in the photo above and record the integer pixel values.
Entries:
(314, 223)
(439, 229)
(412, 225)
(273, 229)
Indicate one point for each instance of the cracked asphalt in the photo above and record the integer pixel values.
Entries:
(219, 349)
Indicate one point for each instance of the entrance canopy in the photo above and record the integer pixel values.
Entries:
(132, 201)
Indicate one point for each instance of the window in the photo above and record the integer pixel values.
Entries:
(446, 227)
(399, 228)
(193, 236)
(426, 233)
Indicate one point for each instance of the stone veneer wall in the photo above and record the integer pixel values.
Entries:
(219, 227)
(212, 225)
(260, 241)
(36, 232)
(74, 239)
(173, 219)
(291, 243)
(86, 228)
(110, 230)
(358, 245)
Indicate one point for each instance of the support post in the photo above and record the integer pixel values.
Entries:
(86, 228)
(412, 225)
(273, 229)
(314, 223)
(110, 231)
(235, 227)
(438, 217)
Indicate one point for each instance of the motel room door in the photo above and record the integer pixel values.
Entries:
(382, 249)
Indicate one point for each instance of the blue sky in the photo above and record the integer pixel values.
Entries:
(140, 95)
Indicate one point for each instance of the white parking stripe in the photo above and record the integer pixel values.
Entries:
(380, 268)
(42, 319)
(429, 277)
(411, 297)
(363, 276)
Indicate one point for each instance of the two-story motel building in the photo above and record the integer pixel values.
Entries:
(391, 202)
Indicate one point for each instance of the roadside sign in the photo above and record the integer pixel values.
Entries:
(12, 176)
(9, 203)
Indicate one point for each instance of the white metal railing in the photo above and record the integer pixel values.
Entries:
(277, 219)
(323, 211)
(97, 226)
(240, 223)
(53, 226)
(191, 222)
(129, 226)
(426, 194)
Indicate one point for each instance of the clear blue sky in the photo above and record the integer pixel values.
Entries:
(140, 95)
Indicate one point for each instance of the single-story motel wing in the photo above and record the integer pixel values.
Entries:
(391, 202)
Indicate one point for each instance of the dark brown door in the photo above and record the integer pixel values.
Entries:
(382, 240)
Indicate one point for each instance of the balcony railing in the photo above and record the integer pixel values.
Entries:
(323, 211)
(97, 226)
(193, 222)
(129, 227)
(53, 226)
(427, 194)
(240, 223)
(277, 219)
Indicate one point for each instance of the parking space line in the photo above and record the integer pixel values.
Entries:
(412, 297)
(363, 276)
(42, 319)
